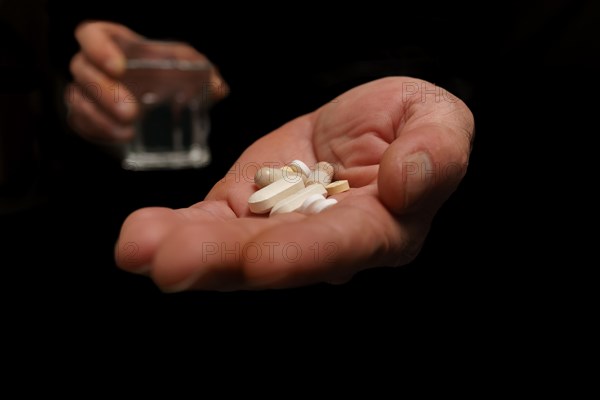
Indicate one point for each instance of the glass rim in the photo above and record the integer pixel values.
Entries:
(168, 64)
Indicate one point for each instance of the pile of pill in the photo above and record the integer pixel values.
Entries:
(295, 187)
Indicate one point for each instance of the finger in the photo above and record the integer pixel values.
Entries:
(210, 255)
(97, 41)
(355, 234)
(110, 95)
(87, 119)
(140, 235)
(285, 251)
(428, 158)
(217, 87)
(144, 230)
(272, 150)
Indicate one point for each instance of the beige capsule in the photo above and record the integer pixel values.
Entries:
(323, 174)
(267, 175)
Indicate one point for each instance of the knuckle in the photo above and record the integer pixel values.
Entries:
(84, 26)
(409, 247)
(465, 119)
(412, 251)
(79, 118)
(80, 29)
(69, 94)
(73, 99)
(408, 254)
(142, 217)
(75, 64)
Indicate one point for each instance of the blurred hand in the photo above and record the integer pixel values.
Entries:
(402, 143)
(96, 99)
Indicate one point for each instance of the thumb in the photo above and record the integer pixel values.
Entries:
(422, 168)
(101, 43)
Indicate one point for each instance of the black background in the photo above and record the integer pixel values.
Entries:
(527, 73)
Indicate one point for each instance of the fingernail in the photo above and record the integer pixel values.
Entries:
(417, 177)
(115, 66)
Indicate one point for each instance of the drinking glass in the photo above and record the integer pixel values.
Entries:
(169, 81)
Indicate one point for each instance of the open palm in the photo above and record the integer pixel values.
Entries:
(403, 144)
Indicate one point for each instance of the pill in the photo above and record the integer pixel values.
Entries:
(320, 205)
(325, 204)
(267, 175)
(309, 200)
(299, 166)
(324, 165)
(295, 201)
(289, 172)
(337, 187)
(261, 201)
(323, 174)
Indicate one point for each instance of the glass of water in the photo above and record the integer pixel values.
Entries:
(170, 82)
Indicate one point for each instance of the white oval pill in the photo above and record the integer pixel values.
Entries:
(294, 202)
(261, 201)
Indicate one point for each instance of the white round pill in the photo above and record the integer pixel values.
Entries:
(310, 200)
(323, 205)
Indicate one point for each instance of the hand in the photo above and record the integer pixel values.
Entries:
(96, 100)
(402, 143)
